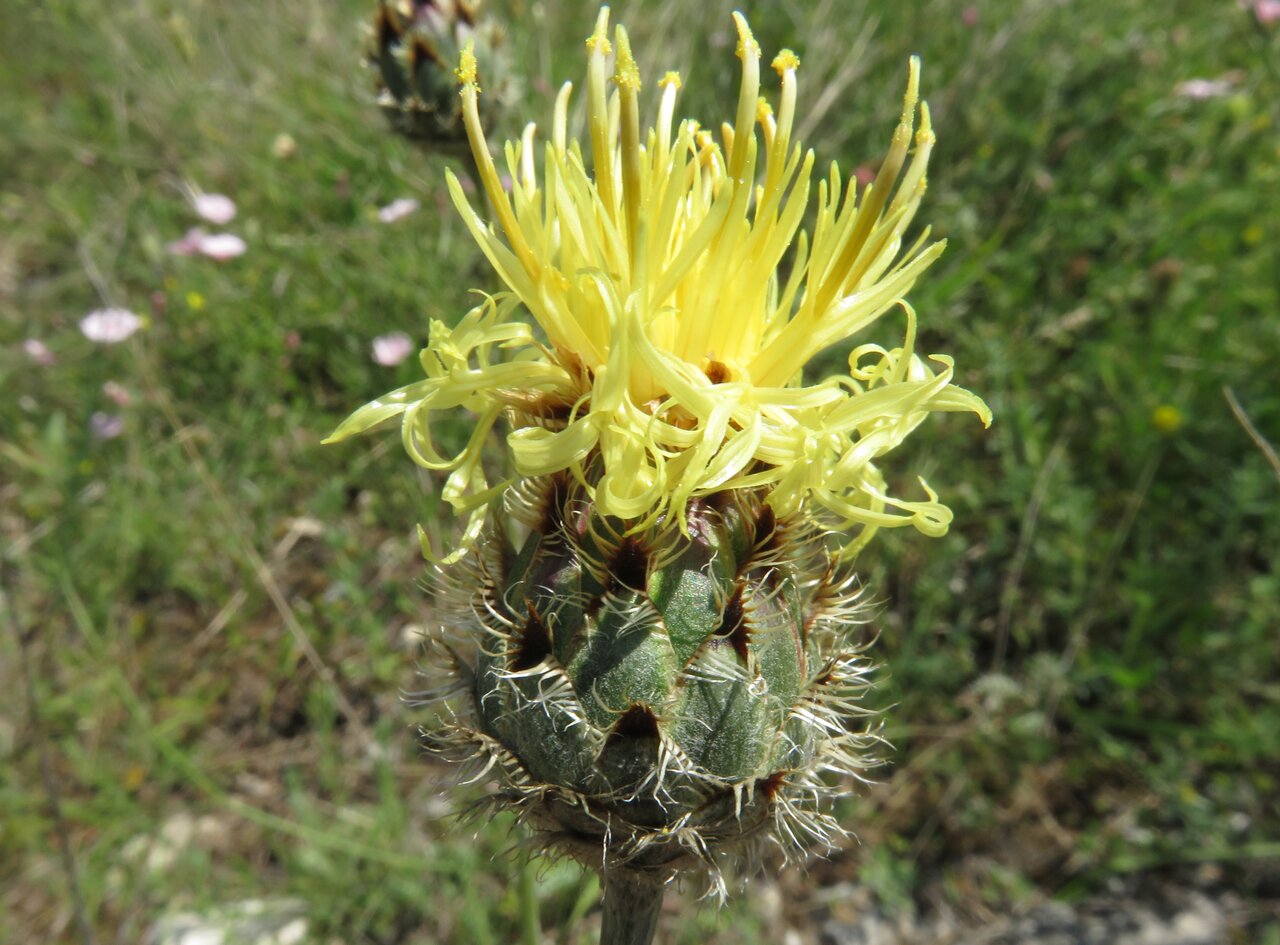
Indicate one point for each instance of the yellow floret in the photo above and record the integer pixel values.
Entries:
(666, 298)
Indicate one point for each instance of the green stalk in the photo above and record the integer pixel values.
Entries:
(530, 923)
(632, 901)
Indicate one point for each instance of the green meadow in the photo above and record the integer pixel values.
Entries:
(209, 618)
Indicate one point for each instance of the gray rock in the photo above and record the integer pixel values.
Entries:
(1108, 920)
(1177, 917)
(249, 922)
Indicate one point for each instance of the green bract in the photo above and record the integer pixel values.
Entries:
(415, 48)
(652, 699)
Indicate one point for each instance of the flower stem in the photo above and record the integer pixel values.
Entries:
(632, 901)
(530, 923)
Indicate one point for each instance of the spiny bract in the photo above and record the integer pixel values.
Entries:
(413, 51)
(654, 699)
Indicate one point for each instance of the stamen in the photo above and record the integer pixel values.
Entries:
(764, 118)
(627, 78)
(817, 324)
(875, 198)
(560, 121)
(785, 64)
(912, 186)
(744, 125)
(670, 85)
(598, 114)
(466, 73)
(528, 178)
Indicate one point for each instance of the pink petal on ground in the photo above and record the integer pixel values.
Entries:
(398, 209)
(106, 426)
(390, 350)
(117, 393)
(221, 246)
(1201, 89)
(109, 325)
(218, 209)
(39, 352)
(189, 245)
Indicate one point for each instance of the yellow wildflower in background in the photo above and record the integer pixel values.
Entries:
(662, 300)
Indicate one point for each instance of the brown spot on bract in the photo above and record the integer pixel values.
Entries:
(766, 530)
(386, 27)
(719, 501)
(553, 504)
(771, 785)
(733, 626)
(826, 677)
(637, 722)
(629, 566)
(533, 645)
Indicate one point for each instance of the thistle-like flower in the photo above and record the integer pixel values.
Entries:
(650, 628)
(413, 51)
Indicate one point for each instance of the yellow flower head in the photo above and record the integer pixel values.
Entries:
(672, 302)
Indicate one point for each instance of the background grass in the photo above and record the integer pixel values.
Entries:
(218, 612)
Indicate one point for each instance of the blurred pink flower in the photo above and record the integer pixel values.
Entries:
(1201, 89)
(189, 245)
(390, 350)
(216, 208)
(397, 209)
(109, 325)
(1267, 11)
(116, 393)
(106, 426)
(864, 174)
(39, 352)
(292, 340)
(970, 16)
(221, 246)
